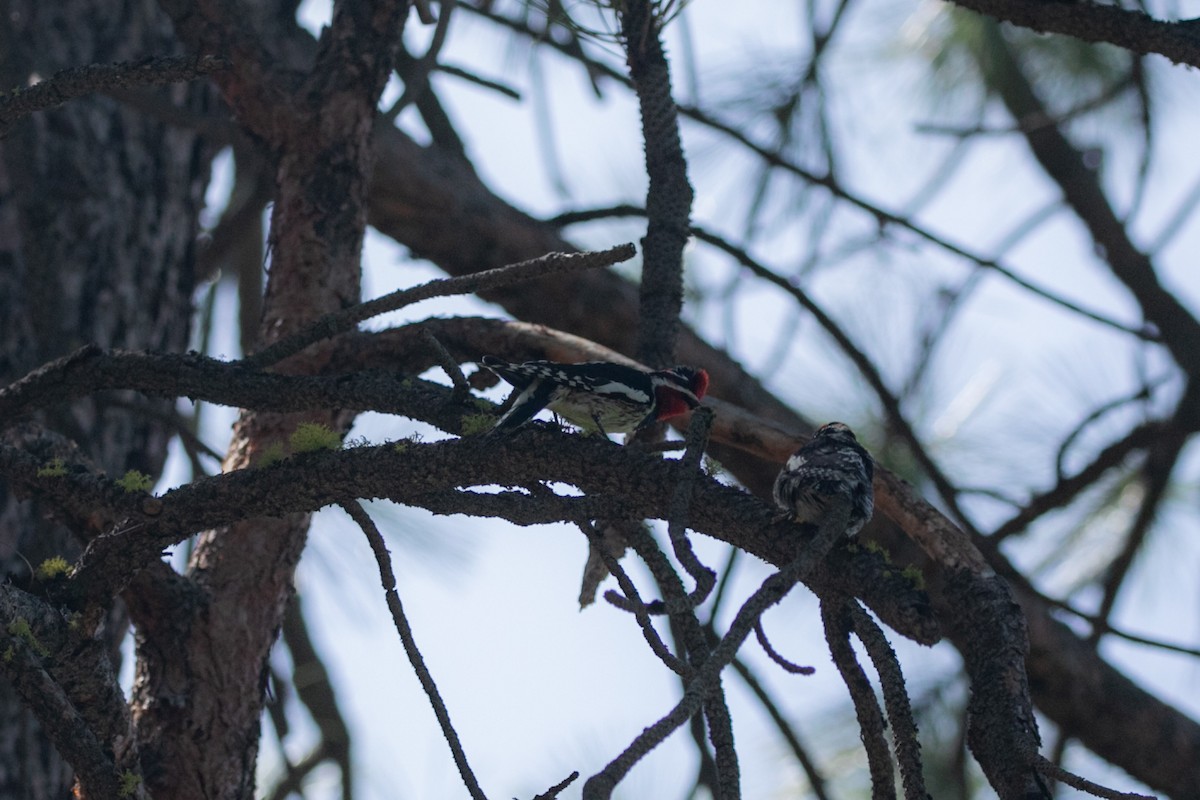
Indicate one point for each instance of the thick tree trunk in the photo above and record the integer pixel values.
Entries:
(196, 708)
(98, 221)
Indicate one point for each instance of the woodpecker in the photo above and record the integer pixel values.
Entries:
(599, 395)
(832, 464)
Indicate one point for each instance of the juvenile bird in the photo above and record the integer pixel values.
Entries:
(829, 466)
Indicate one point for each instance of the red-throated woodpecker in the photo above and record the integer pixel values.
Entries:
(612, 398)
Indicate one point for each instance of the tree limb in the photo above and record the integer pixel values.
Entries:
(1093, 22)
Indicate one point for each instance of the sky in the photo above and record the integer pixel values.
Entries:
(538, 688)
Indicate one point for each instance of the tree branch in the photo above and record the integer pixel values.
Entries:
(68, 84)
(1081, 188)
(688, 631)
(773, 589)
(29, 662)
(815, 779)
(895, 699)
(1054, 771)
(339, 321)
(835, 615)
(677, 514)
(1094, 22)
(631, 601)
(669, 196)
(1068, 487)
(388, 579)
(1156, 473)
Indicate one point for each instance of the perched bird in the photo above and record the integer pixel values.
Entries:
(830, 465)
(599, 395)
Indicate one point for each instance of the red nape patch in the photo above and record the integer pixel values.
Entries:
(700, 383)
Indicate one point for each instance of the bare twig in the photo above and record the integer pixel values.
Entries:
(553, 792)
(339, 321)
(1052, 770)
(479, 80)
(1095, 22)
(632, 602)
(78, 81)
(835, 615)
(1170, 647)
(388, 579)
(1067, 488)
(697, 439)
(773, 654)
(1140, 78)
(695, 644)
(1142, 394)
(1178, 221)
(726, 574)
(461, 388)
(895, 699)
(815, 779)
(416, 75)
(601, 785)
(1160, 463)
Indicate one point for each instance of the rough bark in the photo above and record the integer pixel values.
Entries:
(98, 219)
(317, 133)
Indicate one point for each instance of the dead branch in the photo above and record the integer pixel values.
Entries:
(838, 626)
(67, 84)
(339, 321)
(388, 579)
(895, 700)
(1094, 22)
(601, 785)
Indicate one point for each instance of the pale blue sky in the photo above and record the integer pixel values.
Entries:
(538, 688)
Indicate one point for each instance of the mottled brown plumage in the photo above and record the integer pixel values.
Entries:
(829, 466)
